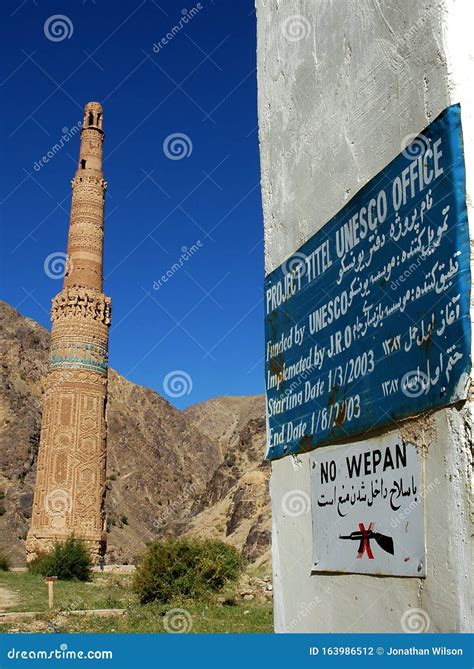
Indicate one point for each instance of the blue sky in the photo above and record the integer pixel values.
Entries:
(207, 319)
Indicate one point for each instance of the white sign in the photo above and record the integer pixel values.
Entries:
(367, 505)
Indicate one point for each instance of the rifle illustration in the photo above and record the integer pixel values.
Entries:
(364, 536)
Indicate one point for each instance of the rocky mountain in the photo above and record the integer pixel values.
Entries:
(169, 472)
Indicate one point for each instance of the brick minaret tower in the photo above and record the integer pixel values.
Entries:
(70, 474)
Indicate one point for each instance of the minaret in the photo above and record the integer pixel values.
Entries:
(70, 473)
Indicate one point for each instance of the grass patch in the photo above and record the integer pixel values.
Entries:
(151, 619)
(102, 592)
(114, 591)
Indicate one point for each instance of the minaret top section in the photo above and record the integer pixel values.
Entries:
(92, 116)
(86, 230)
(92, 136)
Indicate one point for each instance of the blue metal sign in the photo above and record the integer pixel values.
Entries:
(368, 322)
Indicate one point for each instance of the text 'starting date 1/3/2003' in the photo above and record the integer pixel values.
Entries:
(368, 322)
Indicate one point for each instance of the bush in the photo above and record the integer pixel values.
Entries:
(4, 564)
(189, 568)
(69, 561)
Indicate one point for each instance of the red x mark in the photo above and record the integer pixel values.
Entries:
(364, 542)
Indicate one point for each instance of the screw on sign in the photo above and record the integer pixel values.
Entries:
(365, 535)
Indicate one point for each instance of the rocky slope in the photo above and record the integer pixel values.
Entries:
(198, 471)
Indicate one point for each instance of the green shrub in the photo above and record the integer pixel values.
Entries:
(69, 561)
(4, 564)
(185, 568)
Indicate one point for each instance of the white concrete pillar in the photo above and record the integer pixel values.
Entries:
(342, 83)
